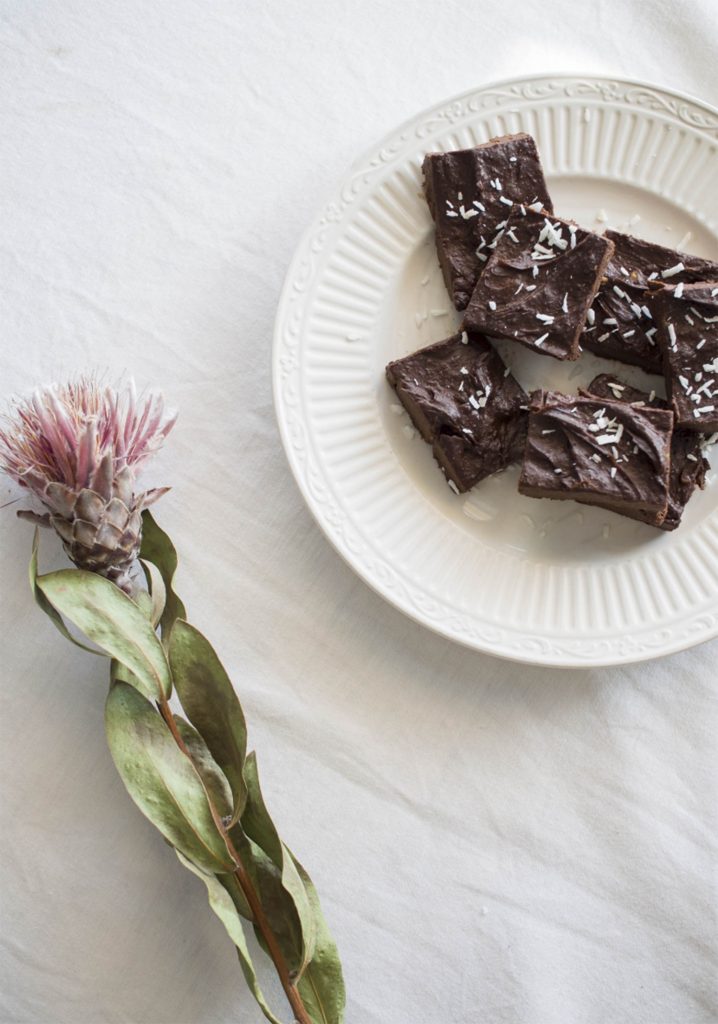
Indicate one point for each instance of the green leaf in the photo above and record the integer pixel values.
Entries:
(322, 984)
(157, 592)
(210, 703)
(259, 828)
(222, 904)
(161, 779)
(114, 622)
(159, 549)
(215, 782)
(45, 605)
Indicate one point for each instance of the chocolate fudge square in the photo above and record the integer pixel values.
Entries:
(599, 452)
(470, 192)
(620, 322)
(687, 319)
(539, 283)
(464, 402)
(688, 465)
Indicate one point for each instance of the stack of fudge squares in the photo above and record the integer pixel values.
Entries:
(520, 273)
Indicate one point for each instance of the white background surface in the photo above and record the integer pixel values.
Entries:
(492, 843)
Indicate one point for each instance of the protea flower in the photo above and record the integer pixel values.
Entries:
(77, 448)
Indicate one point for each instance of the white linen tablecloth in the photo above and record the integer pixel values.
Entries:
(492, 843)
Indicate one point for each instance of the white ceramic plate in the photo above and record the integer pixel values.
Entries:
(546, 582)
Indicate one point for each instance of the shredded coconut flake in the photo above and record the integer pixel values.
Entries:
(671, 271)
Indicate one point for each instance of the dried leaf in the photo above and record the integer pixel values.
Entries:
(143, 600)
(277, 904)
(322, 984)
(44, 604)
(215, 782)
(120, 674)
(162, 780)
(114, 622)
(210, 703)
(259, 828)
(222, 904)
(159, 549)
(156, 589)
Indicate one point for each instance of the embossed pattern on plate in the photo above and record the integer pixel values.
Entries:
(544, 582)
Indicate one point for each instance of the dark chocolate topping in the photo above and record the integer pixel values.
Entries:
(464, 190)
(465, 403)
(539, 283)
(635, 270)
(647, 262)
(603, 453)
(687, 317)
(623, 327)
(605, 385)
(688, 464)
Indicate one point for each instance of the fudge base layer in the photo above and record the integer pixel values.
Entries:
(464, 402)
(605, 453)
(539, 283)
(687, 318)
(621, 322)
(688, 464)
(467, 190)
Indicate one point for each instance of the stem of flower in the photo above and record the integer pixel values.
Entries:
(245, 882)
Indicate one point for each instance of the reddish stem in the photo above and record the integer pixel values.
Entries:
(245, 883)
